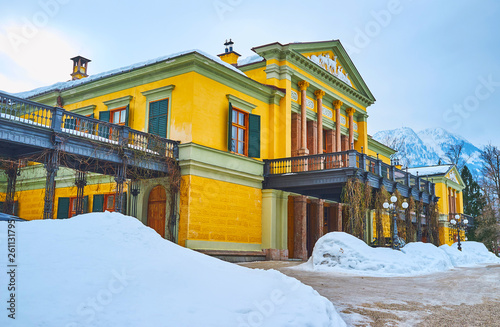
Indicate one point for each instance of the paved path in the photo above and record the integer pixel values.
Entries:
(459, 297)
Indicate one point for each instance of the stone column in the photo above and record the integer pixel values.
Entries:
(337, 104)
(300, 227)
(337, 217)
(317, 220)
(296, 134)
(350, 112)
(303, 103)
(319, 96)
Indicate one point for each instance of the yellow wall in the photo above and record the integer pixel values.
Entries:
(213, 210)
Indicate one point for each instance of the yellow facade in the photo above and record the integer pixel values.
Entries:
(221, 203)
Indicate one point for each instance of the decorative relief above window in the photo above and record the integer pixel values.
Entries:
(309, 103)
(295, 96)
(342, 120)
(355, 125)
(331, 66)
(328, 113)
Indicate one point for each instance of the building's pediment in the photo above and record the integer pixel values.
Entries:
(454, 176)
(332, 57)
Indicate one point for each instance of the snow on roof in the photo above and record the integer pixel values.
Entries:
(250, 60)
(70, 84)
(430, 170)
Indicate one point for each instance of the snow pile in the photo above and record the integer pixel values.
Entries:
(343, 252)
(472, 253)
(106, 269)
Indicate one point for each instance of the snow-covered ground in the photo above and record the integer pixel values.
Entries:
(106, 269)
(342, 252)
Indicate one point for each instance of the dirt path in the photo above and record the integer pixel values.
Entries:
(459, 297)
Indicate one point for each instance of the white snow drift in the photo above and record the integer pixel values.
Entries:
(106, 269)
(343, 252)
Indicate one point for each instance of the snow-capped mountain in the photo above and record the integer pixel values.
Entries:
(428, 147)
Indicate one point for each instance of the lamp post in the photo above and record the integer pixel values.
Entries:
(459, 224)
(393, 211)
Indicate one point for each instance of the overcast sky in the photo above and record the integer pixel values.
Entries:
(428, 63)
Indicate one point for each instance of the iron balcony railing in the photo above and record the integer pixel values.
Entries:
(346, 159)
(62, 121)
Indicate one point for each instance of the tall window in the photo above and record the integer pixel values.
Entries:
(239, 139)
(119, 116)
(109, 202)
(158, 114)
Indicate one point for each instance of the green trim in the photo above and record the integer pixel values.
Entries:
(190, 62)
(292, 52)
(274, 219)
(253, 65)
(444, 180)
(160, 92)
(118, 102)
(241, 104)
(198, 160)
(85, 111)
(224, 246)
(34, 178)
(164, 92)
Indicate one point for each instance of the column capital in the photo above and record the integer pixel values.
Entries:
(337, 104)
(319, 94)
(303, 85)
(350, 111)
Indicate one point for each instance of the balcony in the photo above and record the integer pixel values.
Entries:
(324, 175)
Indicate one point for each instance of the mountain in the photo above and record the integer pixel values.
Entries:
(428, 147)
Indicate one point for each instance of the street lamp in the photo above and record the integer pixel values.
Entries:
(459, 224)
(393, 211)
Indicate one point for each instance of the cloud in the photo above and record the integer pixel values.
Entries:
(38, 56)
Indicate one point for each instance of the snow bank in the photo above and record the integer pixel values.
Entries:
(106, 269)
(472, 253)
(343, 252)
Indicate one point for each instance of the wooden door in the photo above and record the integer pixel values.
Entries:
(157, 209)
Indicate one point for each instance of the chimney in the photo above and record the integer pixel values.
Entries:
(229, 56)
(79, 67)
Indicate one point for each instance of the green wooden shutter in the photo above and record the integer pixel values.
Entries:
(253, 136)
(63, 208)
(85, 204)
(162, 117)
(103, 130)
(16, 208)
(98, 203)
(1, 206)
(126, 115)
(158, 116)
(124, 203)
(230, 129)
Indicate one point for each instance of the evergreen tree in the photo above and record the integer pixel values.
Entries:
(473, 200)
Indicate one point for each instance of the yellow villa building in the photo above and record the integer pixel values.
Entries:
(266, 145)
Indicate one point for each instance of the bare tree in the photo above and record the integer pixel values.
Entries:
(454, 155)
(491, 172)
(397, 143)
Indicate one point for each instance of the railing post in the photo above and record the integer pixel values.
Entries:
(407, 179)
(378, 167)
(57, 114)
(362, 161)
(393, 173)
(176, 150)
(266, 168)
(352, 158)
(123, 137)
(417, 182)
